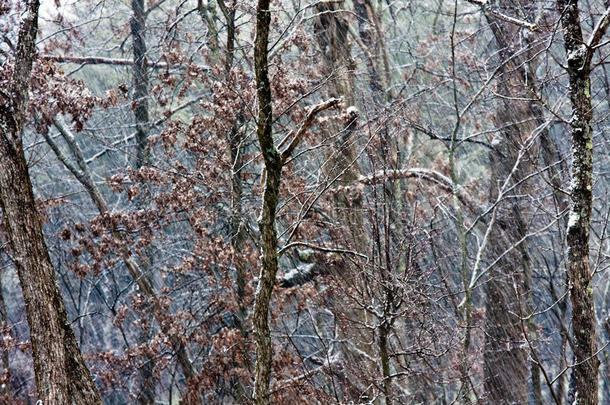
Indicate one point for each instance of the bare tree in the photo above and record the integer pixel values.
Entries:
(579, 55)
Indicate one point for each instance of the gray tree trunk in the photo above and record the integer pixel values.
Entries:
(579, 55)
(61, 374)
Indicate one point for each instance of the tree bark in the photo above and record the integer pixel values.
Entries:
(384, 354)
(273, 162)
(140, 81)
(331, 32)
(579, 55)
(7, 390)
(140, 109)
(238, 236)
(60, 371)
(266, 222)
(509, 290)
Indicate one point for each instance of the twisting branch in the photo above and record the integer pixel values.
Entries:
(484, 4)
(311, 115)
(321, 249)
(429, 175)
(96, 60)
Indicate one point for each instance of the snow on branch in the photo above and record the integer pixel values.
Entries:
(94, 60)
(429, 175)
(484, 4)
(599, 30)
(311, 115)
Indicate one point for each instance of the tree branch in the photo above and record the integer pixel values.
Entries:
(485, 6)
(432, 176)
(599, 30)
(94, 60)
(311, 115)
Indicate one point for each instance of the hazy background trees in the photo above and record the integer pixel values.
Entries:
(433, 178)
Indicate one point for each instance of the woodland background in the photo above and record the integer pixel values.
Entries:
(418, 189)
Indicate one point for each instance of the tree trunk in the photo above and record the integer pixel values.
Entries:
(60, 371)
(384, 354)
(140, 81)
(579, 55)
(7, 390)
(520, 120)
(331, 32)
(266, 222)
(238, 236)
(140, 109)
(505, 359)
